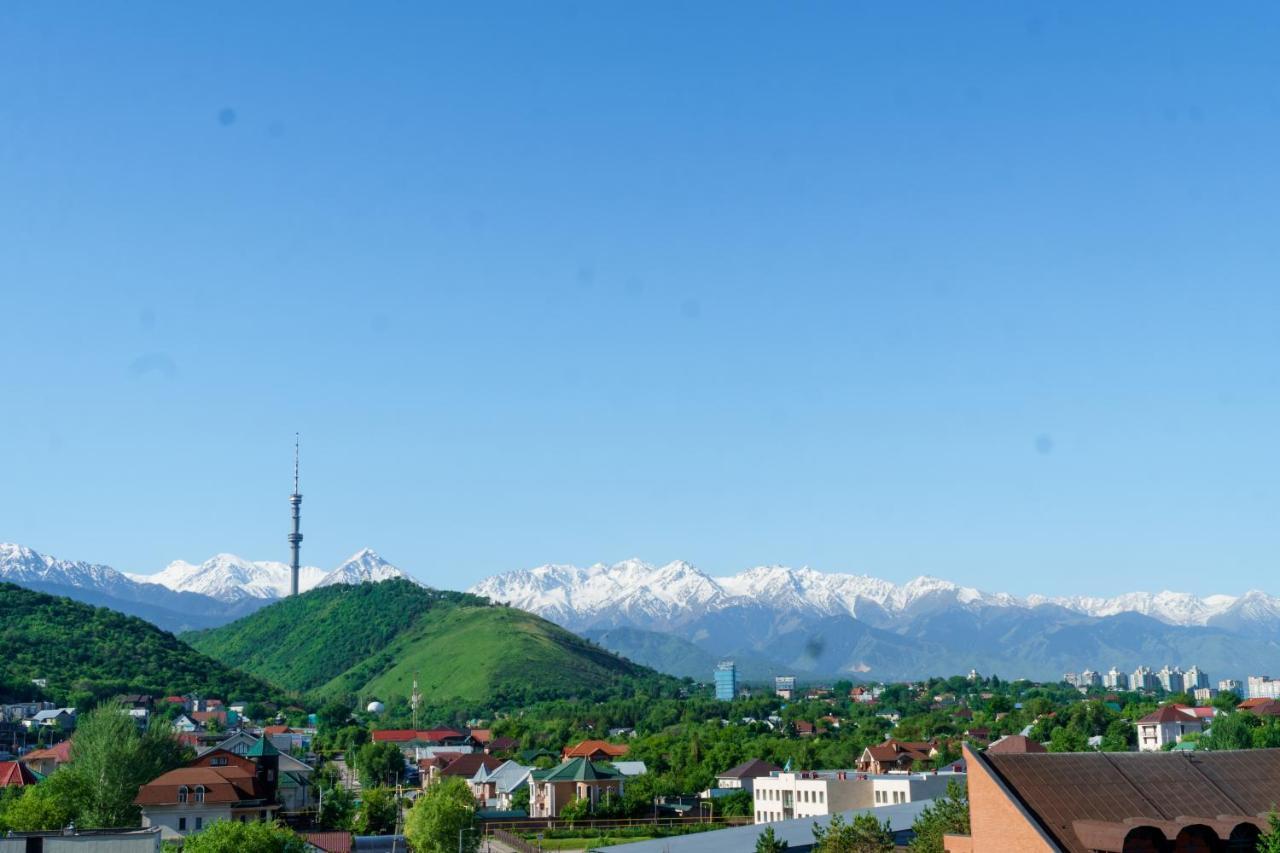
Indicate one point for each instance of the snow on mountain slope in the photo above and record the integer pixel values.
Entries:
(364, 566)
(227, 577)
(636, 592)
(19, 564)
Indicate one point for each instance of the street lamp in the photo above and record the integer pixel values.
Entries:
(462, 833)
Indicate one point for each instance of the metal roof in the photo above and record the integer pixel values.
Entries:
(798, 833)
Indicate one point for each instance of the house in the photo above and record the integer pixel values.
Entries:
(218, 786)
(55, 718)
(184, 723)
(1112, 802)
(482, 737)
(417, 744)
(1166, 725)
(743, 777)
(789, 795)
(803, 728)
(595, 750)
(895, 755)
(15, 774)
(45, 761)
(501, 745)
(465, 766)
(578, 778)
(493, 787)
(210, 719)
(295, 791)
(70, 839)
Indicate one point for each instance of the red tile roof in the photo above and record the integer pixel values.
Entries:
(1169, 714)
(330, 842)
(406, 735)
(15, 774)
(230, 784)
(1265, 708)
(394, 735)
(60, 753)
(588, 748)
(481, 735)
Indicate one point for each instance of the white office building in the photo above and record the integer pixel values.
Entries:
(1263, 687)
(814, 793)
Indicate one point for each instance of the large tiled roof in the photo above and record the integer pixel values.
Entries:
(749, 770)
(230, 784)
(467, 764)
(1071, 794)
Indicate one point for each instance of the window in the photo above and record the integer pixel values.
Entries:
(218, 761)
(182, 824)
(199, 794)
(182, 794)
(199, 824)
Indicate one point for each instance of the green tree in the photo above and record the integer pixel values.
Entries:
(52, 804)
(947, 815)
(377, 812)
(520, 799)
(577, 810)
(864, 834)
(770, 843)
(333, 715)
(1067, 739)
(337, 808)
(1119, 736)
(1269, 841)
(225, 836)
(379, 763)
(738, 804)
(441, 819)
(1233, 730)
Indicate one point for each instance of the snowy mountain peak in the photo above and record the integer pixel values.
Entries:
(644, 595)
(364, 566)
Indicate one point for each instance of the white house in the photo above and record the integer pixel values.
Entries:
(1167, 725)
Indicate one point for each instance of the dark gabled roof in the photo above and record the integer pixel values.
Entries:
(1093, 793)
(467, 764)
(752, 769)
(1169, 714)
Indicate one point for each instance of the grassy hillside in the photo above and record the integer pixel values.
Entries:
(85, 650)
(369, 640)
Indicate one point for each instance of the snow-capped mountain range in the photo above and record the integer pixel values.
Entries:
(775, 619)
(636, 592)
(183, 595)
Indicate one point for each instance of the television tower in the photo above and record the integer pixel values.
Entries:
(295, 538)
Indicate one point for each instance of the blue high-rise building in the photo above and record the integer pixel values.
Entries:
(726, 680)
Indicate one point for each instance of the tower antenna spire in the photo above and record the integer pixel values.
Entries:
(295, 538)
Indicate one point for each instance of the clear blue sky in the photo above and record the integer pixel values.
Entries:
(984, 291)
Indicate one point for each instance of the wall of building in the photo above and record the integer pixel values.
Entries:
(996, 823)
(168, 818)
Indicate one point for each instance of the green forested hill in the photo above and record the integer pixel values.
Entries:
(84, 650)
(369, 640)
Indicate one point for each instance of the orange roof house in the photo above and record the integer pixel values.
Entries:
(45, 761)
(596, 750)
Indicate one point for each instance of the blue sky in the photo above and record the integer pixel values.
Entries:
(981, 291)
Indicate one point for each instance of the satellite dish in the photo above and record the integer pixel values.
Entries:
(376, 707)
